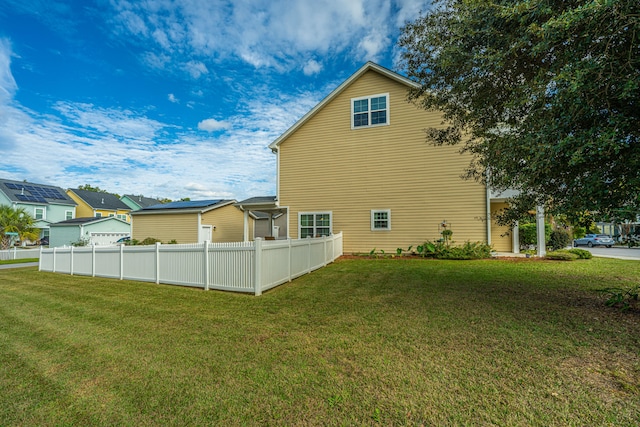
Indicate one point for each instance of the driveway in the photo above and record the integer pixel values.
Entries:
(615, 252)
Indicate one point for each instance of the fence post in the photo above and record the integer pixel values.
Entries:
(71, 261)
(290, 258)
(309, 255)
(53, 267)
(93, 260)
(121, 261)
(324, 251)
(15, 253)
(206, 265)
(257, 277)
(39, 259)
(157, 263)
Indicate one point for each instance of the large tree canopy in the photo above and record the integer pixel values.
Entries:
(544, 94)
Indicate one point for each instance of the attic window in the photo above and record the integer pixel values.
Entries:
(370, 111)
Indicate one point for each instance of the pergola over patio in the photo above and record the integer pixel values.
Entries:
(265, 204)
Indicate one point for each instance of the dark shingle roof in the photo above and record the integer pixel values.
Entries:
(99, 200)
(258, 200)
(143, 202)
(27, 192)
(84, 220)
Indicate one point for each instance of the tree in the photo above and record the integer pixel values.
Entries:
(15, 221)
(544, 94)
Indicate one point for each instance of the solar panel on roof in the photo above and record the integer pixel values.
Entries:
(12, 186)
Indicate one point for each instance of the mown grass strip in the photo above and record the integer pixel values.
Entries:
(360, 342)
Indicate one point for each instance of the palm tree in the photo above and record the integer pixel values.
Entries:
(15, 221)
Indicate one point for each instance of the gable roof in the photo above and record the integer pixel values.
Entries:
(143, 202)
(184, 206)
(86, 220)
(27, 192)
(98, 200)
(369, 66)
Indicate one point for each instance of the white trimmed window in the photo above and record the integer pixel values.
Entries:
(370, 111)
(314, 224)
(380, 220)
(122, 217)
(38, 213)
(98, 214)
(68, 214)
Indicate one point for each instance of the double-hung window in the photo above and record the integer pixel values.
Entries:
(68, 214)
(380, 220)
(38, 213)
(370, 111)
(314, 224)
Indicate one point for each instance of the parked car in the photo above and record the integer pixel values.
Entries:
(592, 240)
(124, 239)
(44, 241)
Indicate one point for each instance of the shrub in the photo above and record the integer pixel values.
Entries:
(579, 232)
(442, 250)
(149, 241)
(562, 256)
(622, 298)
(582, 253)
(528, 233)
(559, 239)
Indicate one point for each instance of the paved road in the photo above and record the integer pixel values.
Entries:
(615, 252)
(24, 264)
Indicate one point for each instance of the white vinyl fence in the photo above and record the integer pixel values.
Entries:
(252, 267)
(16, 253)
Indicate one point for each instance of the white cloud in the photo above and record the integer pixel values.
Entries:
(172, 98)
(212, 125)
(280, 34)
(8, 84)
(312, 67)
(196, 69)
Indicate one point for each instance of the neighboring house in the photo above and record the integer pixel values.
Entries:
(138, 202)
(99, 205)
(47, 204)
(359, 163)
(190, 222)
(269, 222)
(88, 230)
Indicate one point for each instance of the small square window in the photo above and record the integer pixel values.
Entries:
(38, 213)
(380, 220)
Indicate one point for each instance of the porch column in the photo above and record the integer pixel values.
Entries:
(515, 240)
(246, 226)
(541, 244)
(271, 225)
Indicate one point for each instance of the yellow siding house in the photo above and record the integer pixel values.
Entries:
(359, 163)
(190, 222)
(94, 204)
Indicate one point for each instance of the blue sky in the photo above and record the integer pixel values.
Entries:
(174, 98)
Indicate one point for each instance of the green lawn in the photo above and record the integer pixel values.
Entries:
(360, 342)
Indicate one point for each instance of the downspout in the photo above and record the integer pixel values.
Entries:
(488, 215)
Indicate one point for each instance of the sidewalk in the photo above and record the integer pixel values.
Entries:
(19, 265)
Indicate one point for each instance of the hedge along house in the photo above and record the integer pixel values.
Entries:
(88, 231)
(359, 163)
(190, 222)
